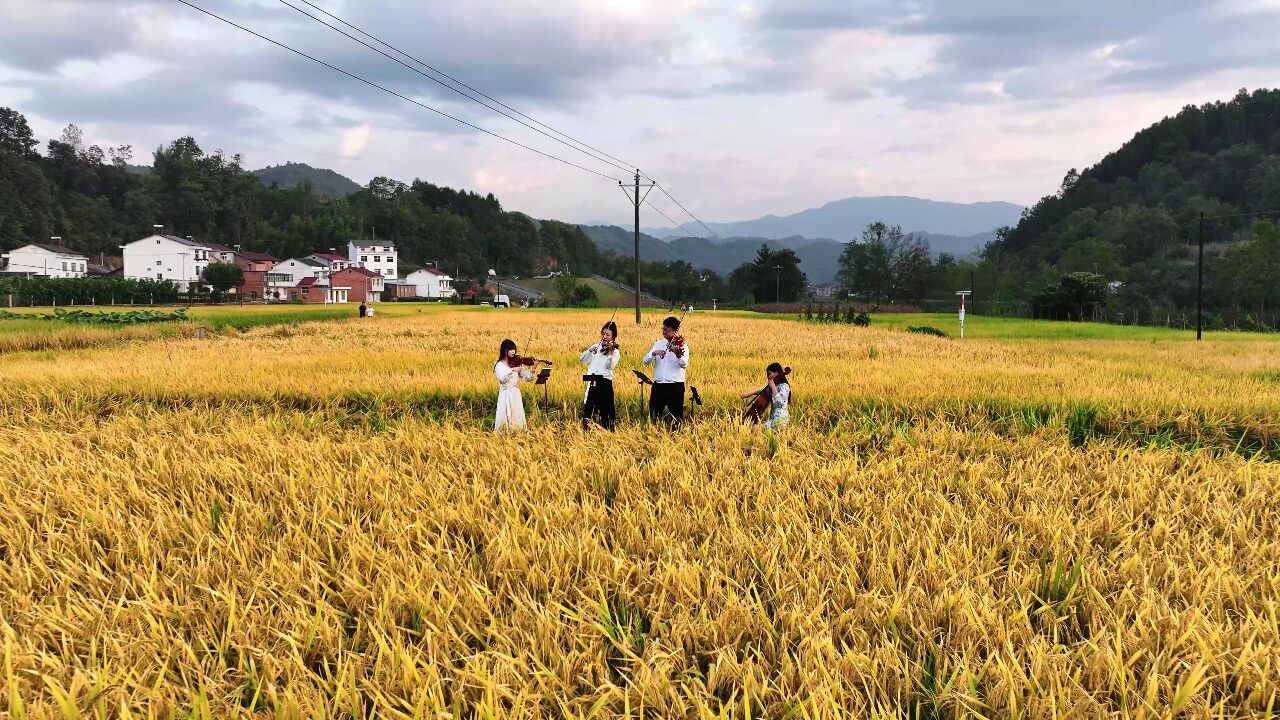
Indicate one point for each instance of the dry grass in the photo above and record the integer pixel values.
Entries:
(176, 537)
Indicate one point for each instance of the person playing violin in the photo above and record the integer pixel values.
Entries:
(510, 369)
(600, 360)
(779, 392)
(670, 358)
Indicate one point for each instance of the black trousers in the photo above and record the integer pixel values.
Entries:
(599, 404)
(667, 396)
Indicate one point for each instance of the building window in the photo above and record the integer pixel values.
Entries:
(364, 258)
(159, 276)
(377, 258)
(158, 263)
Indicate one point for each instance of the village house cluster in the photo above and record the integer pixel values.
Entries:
(368, 272)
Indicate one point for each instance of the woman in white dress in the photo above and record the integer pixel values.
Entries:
(510, 415)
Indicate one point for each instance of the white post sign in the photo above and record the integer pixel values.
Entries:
(963, 294)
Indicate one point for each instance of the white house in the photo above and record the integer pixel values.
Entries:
(335, 263)
(431, 283)
(300, 268)
(275, 286)
(47, 261)
(377, 255)
(166, 257)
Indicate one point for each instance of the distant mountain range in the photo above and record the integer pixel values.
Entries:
(819, 258)
(326, 182)
(955, 228)
(845, 219)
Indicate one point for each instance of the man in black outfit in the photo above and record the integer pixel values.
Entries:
(670, 360)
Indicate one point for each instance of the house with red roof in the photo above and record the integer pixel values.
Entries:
(366, 285)
(313, 291)
(256, 266)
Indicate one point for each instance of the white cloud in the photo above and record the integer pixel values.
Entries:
(742, 107)
(354, 141)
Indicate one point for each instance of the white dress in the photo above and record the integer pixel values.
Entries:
(510, 415)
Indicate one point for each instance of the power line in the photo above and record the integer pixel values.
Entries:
(678, 226)
(599, 156)
(686, 210)
(396, 94)
(578, 145)
(1241, 215)
(589, 151)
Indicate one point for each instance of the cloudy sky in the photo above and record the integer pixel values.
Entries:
(740, 108)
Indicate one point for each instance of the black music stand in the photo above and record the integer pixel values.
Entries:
(644, 380)
(543, 376)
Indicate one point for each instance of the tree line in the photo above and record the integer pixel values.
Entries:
(96, 201)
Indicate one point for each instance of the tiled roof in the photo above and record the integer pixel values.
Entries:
(257, 256)
(184, 241)
(434, 271)
(307, 261)
(56, 249)
(329, 256)
(306, 282)
(359, 271)
(365, 245)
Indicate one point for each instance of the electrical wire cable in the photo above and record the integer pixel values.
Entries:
(396, 94)
(502, 108)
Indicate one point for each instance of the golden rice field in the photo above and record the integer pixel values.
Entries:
(315, 521)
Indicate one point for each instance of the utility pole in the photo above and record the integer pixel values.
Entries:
(184, 277)
(777, 283)
(1200, 281)
(636, 199)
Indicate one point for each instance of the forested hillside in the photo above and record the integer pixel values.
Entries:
(325, 182)
(94, 200)
(1133, 218)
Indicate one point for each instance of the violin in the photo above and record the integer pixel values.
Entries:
(675, 343)
(526, 361)
(606, 348)
(757, 406)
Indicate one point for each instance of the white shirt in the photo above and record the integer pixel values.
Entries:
(598, 363)
(669, 369)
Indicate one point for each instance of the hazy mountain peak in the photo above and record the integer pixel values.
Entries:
(844, 219)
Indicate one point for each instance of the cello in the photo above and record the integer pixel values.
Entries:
(758, 405)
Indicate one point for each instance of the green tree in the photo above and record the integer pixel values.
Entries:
(16, 137)
(223, 276)
(773, 275)
(1072, 296)
(575, 293)
(886, 265)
